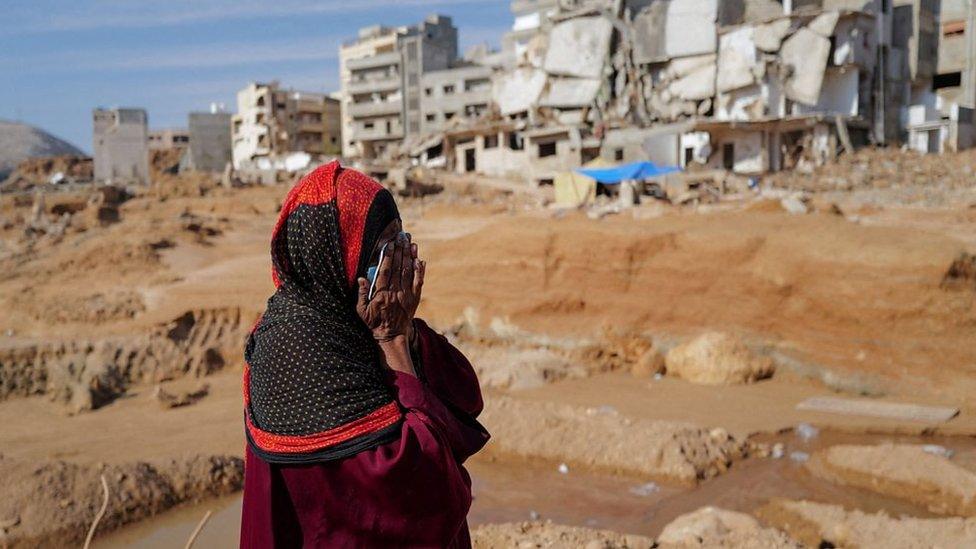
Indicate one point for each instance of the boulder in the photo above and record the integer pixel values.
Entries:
(713, 527)
(717, 358)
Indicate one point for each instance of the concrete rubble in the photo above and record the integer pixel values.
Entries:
(757, 87)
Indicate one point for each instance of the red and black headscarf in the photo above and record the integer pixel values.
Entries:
(314, 389)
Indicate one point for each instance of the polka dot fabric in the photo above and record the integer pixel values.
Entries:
(313, 385)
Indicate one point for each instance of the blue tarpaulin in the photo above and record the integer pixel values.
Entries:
(623, 172)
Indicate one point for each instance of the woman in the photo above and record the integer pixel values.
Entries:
(358, 417)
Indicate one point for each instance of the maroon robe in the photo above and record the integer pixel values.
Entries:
(412, 492)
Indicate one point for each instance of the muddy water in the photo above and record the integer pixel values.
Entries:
(511, 490)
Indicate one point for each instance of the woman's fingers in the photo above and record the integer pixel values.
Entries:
(385, 268)
(396, 267)
(407, 273)
(418, 278)
(362, 298)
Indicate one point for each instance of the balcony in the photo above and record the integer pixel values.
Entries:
(377, 133)
(374, 108)
(374, 61)
(369, 85)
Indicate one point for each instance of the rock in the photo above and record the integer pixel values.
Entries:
(717, 358)
(904, 471)
(649, 363)
(794, 205)
(713, 527)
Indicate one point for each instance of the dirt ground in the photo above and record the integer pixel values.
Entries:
(106, 298)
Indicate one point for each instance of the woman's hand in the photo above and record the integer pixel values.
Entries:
(399, 282)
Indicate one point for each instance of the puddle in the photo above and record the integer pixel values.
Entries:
(514, 490)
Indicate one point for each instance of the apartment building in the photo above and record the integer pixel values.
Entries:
(380, 74)
(458, 92)
(120, 141)
(210, 141)
(272, 121)
(169, 138)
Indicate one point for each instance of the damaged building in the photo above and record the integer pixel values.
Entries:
(748, 86)
(120, 142)
(273, 122)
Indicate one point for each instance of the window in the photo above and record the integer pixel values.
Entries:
(448, 89)
(431, 117)
(388, 126)
(948, 80)
(547, 149)
(728, 156)
(689, 155)
(368, 125)
(515, 142)
(428, 91)
(448, 115)
(618, 154)
(491, 141)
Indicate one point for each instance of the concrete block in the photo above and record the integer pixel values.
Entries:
(806, 54)
(579, 47)
(769, 37)
(570, 92)
(825, 23)
(887, 410)
(697, 85)
(690, 27)
(736, 60)
(517, 90)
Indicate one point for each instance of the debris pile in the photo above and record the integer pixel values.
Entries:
(54, 170)
(53, 503)
(86, 375)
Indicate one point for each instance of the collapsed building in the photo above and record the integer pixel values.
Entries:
(169, 138)
(747, 86)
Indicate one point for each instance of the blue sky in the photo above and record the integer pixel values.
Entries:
(61, 58)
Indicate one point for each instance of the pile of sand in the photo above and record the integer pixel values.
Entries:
(716, 358)
(903, 471)
(823, 525)
(605, 440)
(712, 527)
(556, 536)
(54, 503)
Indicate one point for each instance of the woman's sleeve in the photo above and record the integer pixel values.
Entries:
(447, 372)
(459, 432)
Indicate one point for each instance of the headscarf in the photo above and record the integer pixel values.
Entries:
(314, 387)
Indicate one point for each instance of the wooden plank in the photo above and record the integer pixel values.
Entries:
(874, 408)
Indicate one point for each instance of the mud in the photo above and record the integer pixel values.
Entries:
(915, 473)
(53, 503)
(658, 449)
(822, 525)
(85, 375)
